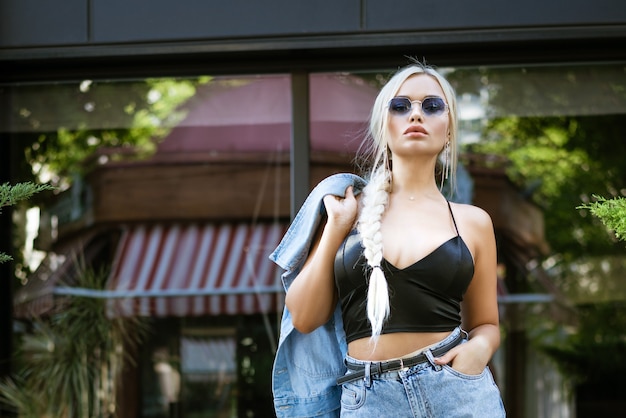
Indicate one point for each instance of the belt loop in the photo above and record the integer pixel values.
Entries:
(431, 359)
(379, 368)
(465, 333)
(367, 378)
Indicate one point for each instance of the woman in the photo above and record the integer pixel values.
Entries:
(414, 274)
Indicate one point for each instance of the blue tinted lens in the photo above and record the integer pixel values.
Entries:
(400, 105)
(433, 106)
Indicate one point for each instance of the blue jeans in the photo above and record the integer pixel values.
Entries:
(425, 390)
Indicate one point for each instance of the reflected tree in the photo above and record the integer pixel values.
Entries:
(59, 126)
(562, 129)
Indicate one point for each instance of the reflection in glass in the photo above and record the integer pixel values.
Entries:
(208, 376)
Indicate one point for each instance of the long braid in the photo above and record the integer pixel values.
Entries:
(375, 198)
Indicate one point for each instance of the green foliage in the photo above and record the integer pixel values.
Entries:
(612, 213)
(10, 195)
(561, 129)
(557, 161)
(96, 114)
(70, 365)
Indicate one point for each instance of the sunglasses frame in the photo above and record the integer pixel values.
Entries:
(409, 109)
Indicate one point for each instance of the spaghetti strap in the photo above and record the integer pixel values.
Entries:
(453, 220)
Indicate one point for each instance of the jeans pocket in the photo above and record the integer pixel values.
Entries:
(462, 375)
(352, 396)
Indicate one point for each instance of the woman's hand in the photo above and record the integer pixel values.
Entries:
(472, 357)
(469, 358)
(341, 211)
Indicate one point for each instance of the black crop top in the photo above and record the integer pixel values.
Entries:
(424, 297)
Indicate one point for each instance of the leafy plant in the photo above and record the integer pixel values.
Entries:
(10, 195)
(71, 363)
(612, 213)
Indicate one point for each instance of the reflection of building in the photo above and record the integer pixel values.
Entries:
(188, 232)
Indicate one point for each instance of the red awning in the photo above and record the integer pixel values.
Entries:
(198, 269)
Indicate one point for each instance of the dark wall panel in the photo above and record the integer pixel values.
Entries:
(463, 14)
(43, 22)
(124, 20)
(78, 37)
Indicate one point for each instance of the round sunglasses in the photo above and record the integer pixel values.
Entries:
(431, 106)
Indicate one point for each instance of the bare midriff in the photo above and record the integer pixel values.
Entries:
(395, 345)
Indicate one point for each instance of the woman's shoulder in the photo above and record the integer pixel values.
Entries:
(471, 216)
(475, 226)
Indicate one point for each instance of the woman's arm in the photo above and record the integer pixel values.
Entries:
(479, 309)
(312, 297)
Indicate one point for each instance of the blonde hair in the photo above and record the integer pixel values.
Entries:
(376, 155)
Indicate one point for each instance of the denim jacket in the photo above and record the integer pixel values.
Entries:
(306, 366)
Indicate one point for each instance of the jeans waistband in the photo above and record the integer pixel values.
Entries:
(365, 369)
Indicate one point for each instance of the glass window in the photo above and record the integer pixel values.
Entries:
(210, 150)
(190, 179)
(238, 124)
(555, 131)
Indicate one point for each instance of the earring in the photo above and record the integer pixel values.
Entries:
(445, 172)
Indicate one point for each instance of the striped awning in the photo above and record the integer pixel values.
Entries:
(192, 270)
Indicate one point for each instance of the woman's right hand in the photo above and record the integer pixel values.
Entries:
(341, 211)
